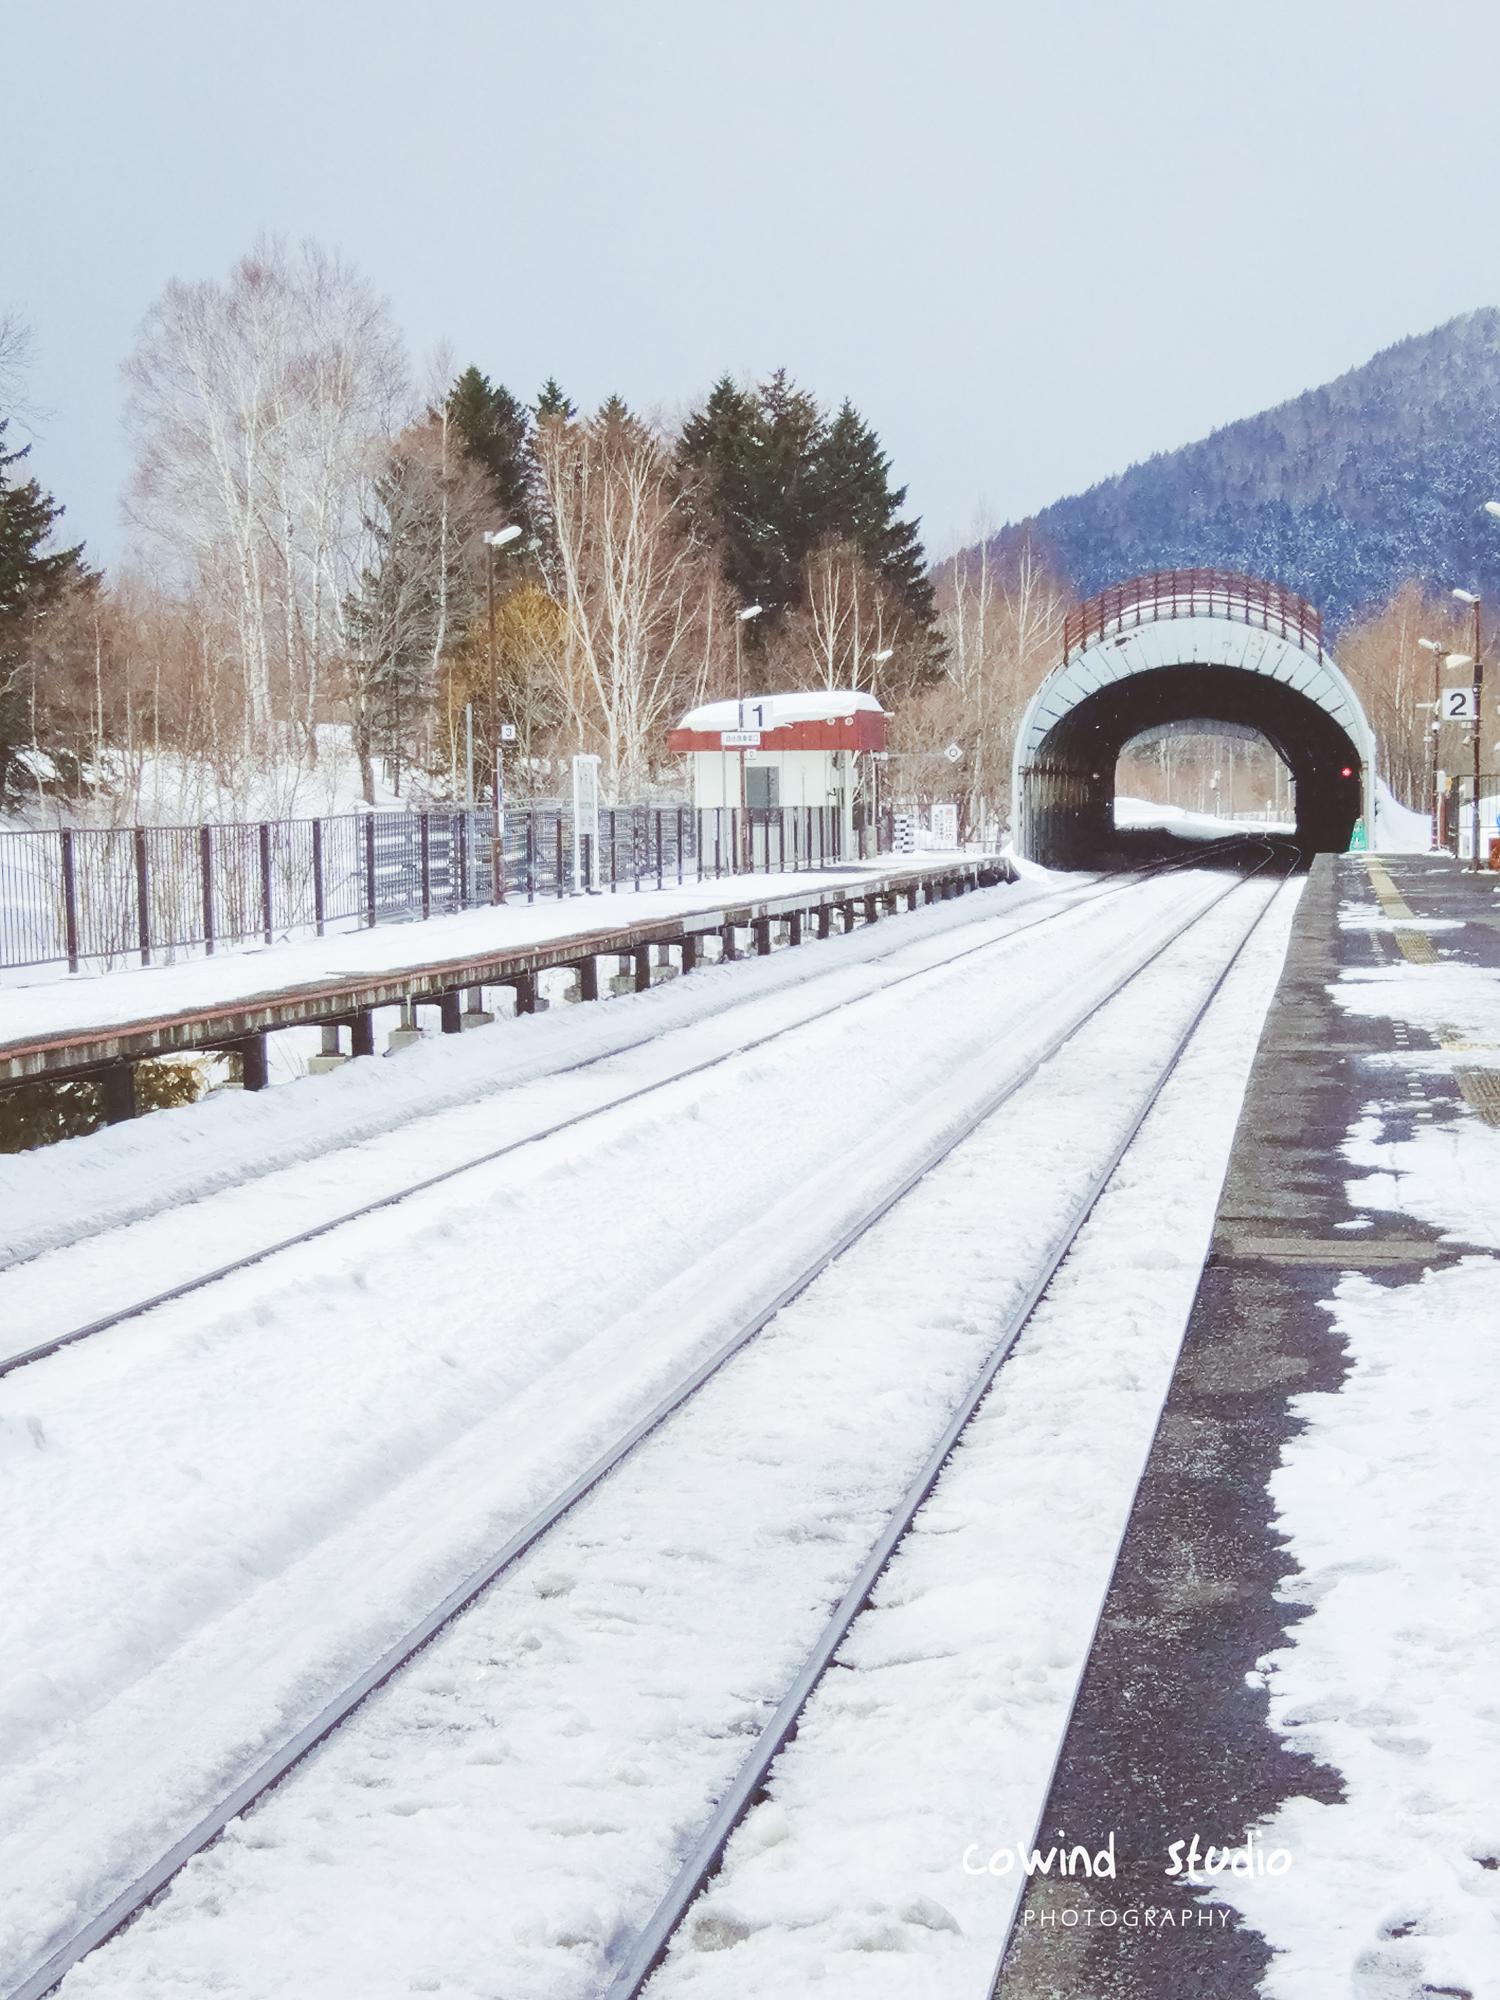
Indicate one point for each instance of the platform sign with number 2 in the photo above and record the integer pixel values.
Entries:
(1459, 704)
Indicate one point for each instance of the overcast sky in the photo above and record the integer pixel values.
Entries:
(1032, 243)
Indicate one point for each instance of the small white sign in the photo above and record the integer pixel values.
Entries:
(739, 739)
(953, 753)
(507, 732)
(1460, 704)
(585, 822)
(944, 824)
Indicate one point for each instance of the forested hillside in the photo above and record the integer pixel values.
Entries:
(1341, 494)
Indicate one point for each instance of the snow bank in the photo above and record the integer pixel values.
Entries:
(1399, 830)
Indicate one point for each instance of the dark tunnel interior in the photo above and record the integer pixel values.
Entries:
(1070, 783)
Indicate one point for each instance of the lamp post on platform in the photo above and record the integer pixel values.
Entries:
(1432, 646)
(496, 538)
(1469, 597)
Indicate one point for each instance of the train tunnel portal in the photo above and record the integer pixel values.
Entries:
(1187, 646)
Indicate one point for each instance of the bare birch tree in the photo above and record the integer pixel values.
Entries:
(647, 616)
(1393, 678)
(1003, 630)
(259, 408)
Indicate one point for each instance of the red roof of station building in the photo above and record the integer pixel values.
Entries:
(816, 719)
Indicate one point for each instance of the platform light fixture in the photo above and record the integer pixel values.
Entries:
(742, 618)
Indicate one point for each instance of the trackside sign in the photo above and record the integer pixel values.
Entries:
(739, 739)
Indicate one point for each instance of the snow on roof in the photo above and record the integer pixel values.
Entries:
(813, 705)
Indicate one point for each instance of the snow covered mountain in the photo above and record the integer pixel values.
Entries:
(1340, 494)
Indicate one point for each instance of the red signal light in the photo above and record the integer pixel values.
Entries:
(1348, 771)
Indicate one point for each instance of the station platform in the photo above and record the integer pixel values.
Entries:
(1293, 1639)
(64, 1028)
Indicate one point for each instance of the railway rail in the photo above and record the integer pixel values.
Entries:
(653, 1940)
(1070, 903)
(651, 1945)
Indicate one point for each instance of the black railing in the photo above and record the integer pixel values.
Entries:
(1195, 593)
(108, 896)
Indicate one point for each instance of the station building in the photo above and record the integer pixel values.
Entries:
(799, 750)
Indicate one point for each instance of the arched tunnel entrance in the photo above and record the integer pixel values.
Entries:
(1186, 646)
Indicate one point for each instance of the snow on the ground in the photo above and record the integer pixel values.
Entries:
(395, 1112)
(1389, 1500)
(1399, 830)
(168, 789)
(930, 1745)
(1192, 825)
(504, 1815)
(218, 1514)
(42, 1000)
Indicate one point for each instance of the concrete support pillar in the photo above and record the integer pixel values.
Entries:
(405, 1033)
(762, 929)
(330, 1056)
(362, 1033)
(450, 1012)
(689, 953)
(794, 928)
(253, 1068)
(118, 1086)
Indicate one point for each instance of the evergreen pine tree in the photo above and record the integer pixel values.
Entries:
(32, 579)
(778, 480)
(552, 402)
(855, 503)
(496, 430)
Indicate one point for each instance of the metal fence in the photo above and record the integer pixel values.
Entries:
(107, 896)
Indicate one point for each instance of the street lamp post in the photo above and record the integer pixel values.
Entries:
(1469, 597)
(496, 539)
(879, 660)
(742, 619)
(1432, 646)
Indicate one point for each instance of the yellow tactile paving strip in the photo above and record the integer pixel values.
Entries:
(1414, 945)
(1479, 1088)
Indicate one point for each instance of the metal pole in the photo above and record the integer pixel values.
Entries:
(142, 896)
(489, 581)
(1437, 723)
(70, 898)
(317, 856)
(1478, 706)
(265, 878)
(469, 750)
(206, 868)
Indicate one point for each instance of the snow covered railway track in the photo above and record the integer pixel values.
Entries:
(1071, 903)
(651, 1946)
(273, 1769)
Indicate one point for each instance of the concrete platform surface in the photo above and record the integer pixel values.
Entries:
(1360, 1070)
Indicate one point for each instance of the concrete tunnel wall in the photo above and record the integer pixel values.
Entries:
(1197, 669)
